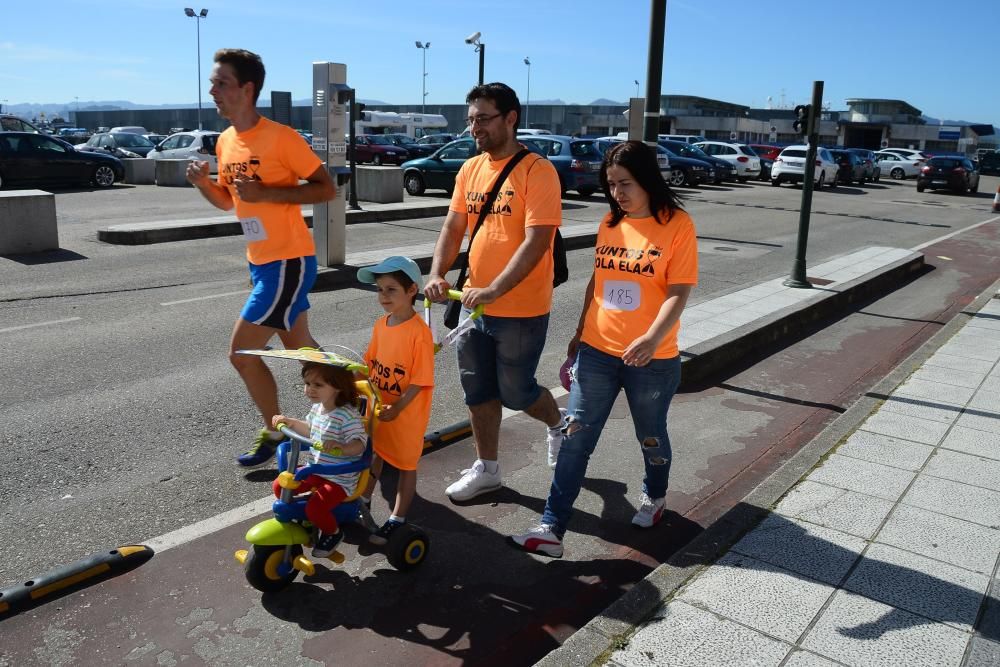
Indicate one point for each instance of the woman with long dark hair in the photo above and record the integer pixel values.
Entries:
(645, 265)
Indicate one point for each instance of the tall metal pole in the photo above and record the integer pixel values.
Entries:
(654, 71)
(197, 20)
(798, 276)
(527, 103)
(482, 61)
(352, 151)
(423, 81)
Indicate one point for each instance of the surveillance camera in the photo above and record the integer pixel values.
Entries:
(471, 39)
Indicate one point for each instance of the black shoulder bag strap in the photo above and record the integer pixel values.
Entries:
(485, 210)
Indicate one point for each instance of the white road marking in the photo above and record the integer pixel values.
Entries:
(40, 324)
(253, 509)
(948, 236)
(202, 298)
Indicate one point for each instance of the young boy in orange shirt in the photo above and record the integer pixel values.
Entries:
(400, 360)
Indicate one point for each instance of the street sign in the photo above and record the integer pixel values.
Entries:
(885, 143)
(733, 136)
(948, 133)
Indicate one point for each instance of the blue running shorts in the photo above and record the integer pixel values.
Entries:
(280, 292)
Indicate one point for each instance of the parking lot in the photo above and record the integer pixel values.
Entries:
(116, 376)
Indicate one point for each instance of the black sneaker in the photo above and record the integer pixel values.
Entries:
(261, 452)
(365, 517)
(326, 543)
(381, 536)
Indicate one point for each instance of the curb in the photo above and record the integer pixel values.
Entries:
(179, 230)
(594, 642)
(68, 578)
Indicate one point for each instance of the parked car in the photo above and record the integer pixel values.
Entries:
(29, 159)
(155, 138)
(766, 151)
(908, 153)
(119, 144)
(790, 167)
(410, 145)
(687, 171)
(897, 166)
(740, 155)
(131, 129)
(530, 130)
(850, 168)
(437, 171)
(662, 154)
(375, 148)
(958, 174)
(577, 161)
(765, 169)
(871, 167)
(193, 145)
(989, 163)
(9, 123)
(724, 170)
(686, 138)
(74, 135)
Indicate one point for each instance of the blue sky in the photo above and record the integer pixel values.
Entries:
(740, 51)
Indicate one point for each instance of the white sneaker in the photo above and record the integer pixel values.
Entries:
(540, 540)
(554, 438)
(475, 481)
(649, 513)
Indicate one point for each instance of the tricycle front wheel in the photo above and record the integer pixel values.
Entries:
(408, 547)
(265, 567)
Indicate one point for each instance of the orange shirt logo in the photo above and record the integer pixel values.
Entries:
(628, 260)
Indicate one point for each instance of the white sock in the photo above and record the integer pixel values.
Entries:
(492, 467)
(397, 519)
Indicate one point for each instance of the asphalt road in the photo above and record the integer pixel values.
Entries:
(121, 416)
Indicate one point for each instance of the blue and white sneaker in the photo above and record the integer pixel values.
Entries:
(261, 452)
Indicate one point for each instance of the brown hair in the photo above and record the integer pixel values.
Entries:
(640, 161)
(247, 65)
(339, 378)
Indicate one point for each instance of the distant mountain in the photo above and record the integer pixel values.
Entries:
(604, 102)
(541, 102)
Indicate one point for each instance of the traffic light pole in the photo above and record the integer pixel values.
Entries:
(798, 276)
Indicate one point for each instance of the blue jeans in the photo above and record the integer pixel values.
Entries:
(599, 379)
(497, 360)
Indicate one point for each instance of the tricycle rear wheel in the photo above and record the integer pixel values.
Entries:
(262, 567)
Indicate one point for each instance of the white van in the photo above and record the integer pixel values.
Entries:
(686, 138)
(130, 129)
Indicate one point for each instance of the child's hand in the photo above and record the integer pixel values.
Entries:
(387, 413)
(278, 419)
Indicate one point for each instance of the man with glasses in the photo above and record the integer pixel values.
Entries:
(510, 274)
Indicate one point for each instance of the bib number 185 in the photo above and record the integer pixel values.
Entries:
(621, 295)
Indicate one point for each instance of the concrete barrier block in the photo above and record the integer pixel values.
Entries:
(172, 173)
(27, 222)
(380, 184)
(139, 171)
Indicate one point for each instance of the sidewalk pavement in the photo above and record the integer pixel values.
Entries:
(885, 552)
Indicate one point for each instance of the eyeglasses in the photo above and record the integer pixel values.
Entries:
(481, 119)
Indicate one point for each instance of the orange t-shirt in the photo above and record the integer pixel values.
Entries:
(397, 357)
(276, 155)
(634, 263)
(529, 197)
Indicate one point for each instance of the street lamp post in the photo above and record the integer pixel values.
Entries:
(481, 49)
(637, 87)
(198, 17)
(527, 97)
(423, 86)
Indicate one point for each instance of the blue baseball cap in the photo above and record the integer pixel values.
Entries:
(391, 265)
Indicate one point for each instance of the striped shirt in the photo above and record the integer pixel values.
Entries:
(340, 425)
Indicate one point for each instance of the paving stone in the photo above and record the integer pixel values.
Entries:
(906, 427)
(925, 408)
(981, 421)
(943, 360)
(985, 401)
(759, 595)
(814, 551)
(971, 441)
(857, 631)
(962, 501)
(966, 468)
(847, 511)
(872, 479)
(983, 653)
(918, 584)
(962, 543)
(972, 349)
(802, 658)
(886, 450)
(936, 391)
(959, 378)
(689, 636)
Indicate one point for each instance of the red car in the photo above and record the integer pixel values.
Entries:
(766, 151)
(378, 149)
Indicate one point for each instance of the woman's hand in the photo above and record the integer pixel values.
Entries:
(640, 351)
(574, 345)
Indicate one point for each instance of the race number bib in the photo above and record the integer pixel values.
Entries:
(253, 229)
(621, 295)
